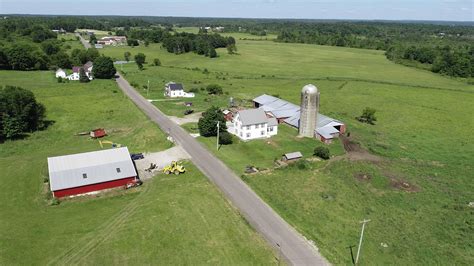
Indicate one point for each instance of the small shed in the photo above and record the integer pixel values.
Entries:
(98, 133)
(292, 156)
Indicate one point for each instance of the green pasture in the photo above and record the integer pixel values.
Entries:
(169, 220)
(417, 195)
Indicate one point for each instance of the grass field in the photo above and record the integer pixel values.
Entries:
(417, 195)
(169, 220)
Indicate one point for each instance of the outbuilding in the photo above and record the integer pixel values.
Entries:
(91, 171)
(292, 156)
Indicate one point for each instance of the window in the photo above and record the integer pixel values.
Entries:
(84, 175)
(248, 135)
(248, 127)
(240, 134)
(118, 170)
(262, 132)
(256, 126)
(270, 129)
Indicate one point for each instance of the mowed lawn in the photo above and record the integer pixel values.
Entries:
(417, 195)
(169, 220)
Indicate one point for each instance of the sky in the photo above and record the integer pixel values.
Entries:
(447, 10)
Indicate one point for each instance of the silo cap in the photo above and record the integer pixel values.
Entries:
(310, 89)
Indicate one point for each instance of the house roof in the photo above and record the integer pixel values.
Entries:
(175, 86)
(76, 69)
(272, 122)
(293, 155)
(88, 64)
(99, 166)
(252, 117)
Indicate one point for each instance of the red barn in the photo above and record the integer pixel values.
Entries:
(91, 171)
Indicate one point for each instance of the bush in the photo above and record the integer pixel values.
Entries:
(214, 89)
(225, 138)
(322, 152)
(194, 90)
(156, 62)
(55, 202)
(134, 84)
(368, 116)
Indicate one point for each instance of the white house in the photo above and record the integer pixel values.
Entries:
(77, 69)
(175, 90)
(60, 73)
(253, 124)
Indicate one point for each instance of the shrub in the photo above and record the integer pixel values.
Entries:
(225, 138)
(368, 116)
(103, 68)
(194, 90)
(156, 62)
(207, 124)
(322, 152)
(55, 201)
(134, 84)
(214, 89)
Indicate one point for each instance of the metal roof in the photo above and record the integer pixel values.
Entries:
(252, 117)
(272, 122)
(175, 86)
(327, 131)
(293, 155)
(99, 166)
(265, 99)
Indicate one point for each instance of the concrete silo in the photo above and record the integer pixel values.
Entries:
(309, 110)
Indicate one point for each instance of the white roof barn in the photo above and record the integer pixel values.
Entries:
(83, 169)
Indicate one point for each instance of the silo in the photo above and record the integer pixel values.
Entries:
(309, 110)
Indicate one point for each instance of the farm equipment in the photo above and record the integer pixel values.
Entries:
(151, 168)
(135, 183)
(114, 145)
(174, 168)
(188, 111)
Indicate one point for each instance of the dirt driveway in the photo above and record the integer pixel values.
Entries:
(192, 118)
(161, 159)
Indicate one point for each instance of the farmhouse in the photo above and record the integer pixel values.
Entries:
(326, 128)
(112, 40)
(91, 171)
(77, 69)
(60, 73)
(175, 90)
(253, 124)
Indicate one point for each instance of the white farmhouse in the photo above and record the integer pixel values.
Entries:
(77, 69)
(60, 73)
(253, 124)
(175, 90)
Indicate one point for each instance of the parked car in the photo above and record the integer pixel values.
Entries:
(189, 111)
(137, 156)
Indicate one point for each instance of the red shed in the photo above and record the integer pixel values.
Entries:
(91, 171)
(98, 133)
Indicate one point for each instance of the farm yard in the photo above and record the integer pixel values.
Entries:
(415, 184)
(170, 219)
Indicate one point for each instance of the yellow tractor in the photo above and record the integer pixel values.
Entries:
(174, 168)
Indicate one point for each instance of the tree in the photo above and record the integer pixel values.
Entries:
(214, 89)
(156, 62)
(212, 53)
(92, 39)
(140, 60)
(20, 57)
(225, 138)
(19, 112)
(207, 124)
(61, 60)
(83, 78)
(147, 43)
(231, 48)
(132, 42)
(322, 152)
(127, 55)
(103, 68)
(51, 46)
(368, 116)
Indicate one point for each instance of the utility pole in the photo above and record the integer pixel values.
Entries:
(217, 144)
(352, 253)
(148, 90)
(360, 240)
